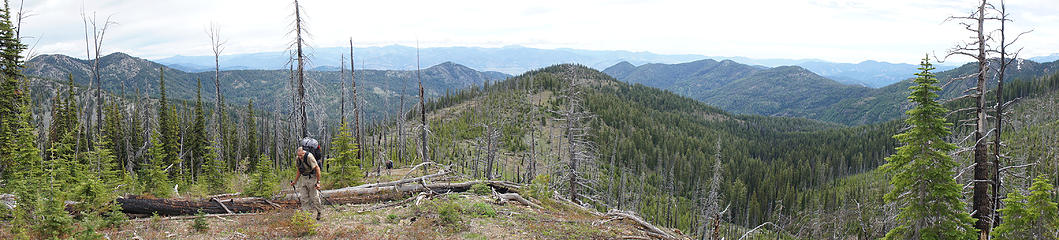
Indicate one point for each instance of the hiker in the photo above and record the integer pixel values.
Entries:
(307, 182)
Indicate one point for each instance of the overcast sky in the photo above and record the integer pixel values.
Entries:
(833, 30)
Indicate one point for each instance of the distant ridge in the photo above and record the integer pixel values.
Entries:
(517, 59)
(265, 87)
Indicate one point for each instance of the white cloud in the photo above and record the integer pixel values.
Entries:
(835, 30)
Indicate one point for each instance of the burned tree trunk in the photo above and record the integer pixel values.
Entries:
(356, 109)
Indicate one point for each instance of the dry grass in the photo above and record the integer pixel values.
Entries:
(509, 221)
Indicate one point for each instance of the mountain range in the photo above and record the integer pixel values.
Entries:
(518, 59)
(378, 89)
(795, 91)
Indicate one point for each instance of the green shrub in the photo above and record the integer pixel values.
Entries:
(393, 218)
(199, 224)
(538, 188)
(302, 223)
(449, 213)
(481, 189)
(481, 209)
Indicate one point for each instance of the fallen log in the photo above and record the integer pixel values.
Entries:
(351, 195)
(650, 228)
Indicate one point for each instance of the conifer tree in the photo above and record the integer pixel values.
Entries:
(63, 167)
(114, 134)
(1033, 217)
(263, 180)
(251, 138)
(346, 171)
(922, 171)
(167, 126)
(197, 142)
(152, 176)
(213, 173)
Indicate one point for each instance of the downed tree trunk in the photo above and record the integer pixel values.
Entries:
(350, 195)
(651, 229)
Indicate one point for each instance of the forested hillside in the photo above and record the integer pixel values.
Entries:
(122, 74)
(653, 143)
(796, 92)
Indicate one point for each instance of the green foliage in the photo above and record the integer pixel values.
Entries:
(539, 187)
(197, 140)
(481, 209)
(168, 126)
(199, 224)
(63, 166)
(214, 173)
(302, 223)
(345, 168)
(152, 176)
(263, 180)
(922, 171)
(52, 220)
(1033, 217)
(481, 189)
(251, 138)
(449, 213)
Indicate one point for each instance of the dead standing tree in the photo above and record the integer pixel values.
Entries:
(1000, 107)
(356, 108)
(217, 46)
(711, 214)
(99, 30)
(978, 48)
(298, 31)
(581, 151)
(424, 127)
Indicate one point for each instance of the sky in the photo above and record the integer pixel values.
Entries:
(899, 31)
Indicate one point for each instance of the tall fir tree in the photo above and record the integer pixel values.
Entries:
(922, 171)
(114, 134)
(197, 142)
(167, 125)
(251, 138)
(1033, 217)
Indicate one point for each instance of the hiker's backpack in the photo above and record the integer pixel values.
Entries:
(311, 146)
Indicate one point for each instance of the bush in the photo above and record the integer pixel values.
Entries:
(481, 209)
(538, 188)
(481, 189)
(449, 213)
(200, 224)
(302, 223)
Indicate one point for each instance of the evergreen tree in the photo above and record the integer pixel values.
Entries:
(251, 138)
(1033, 217)
(197, 142)
(213, 173)
(922, 171)
(346, 171)
(63, 167)
(167, 124)
(114, 136)
(152, 176)
(64, 114)
(263, 180)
